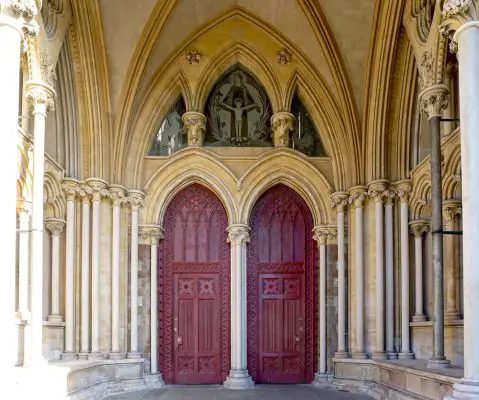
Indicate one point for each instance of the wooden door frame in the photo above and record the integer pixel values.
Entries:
(311, 289)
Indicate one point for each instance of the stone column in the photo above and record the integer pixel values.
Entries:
(135, 200)
(321, 236)
(418, 228)
(99, 190)
(282, 125)
(71, 188)
(376, 191)
(357, 197)
(154, 233)
(462, 16)
(117, 194)
(85, 193)
(389, 196)
(55, 226)
(239, 378)
(403, 189)
(195, 124)
(40, 98)
(433, 101)
(451, 210)
(23, 211)
(15, 18)
(340, 203)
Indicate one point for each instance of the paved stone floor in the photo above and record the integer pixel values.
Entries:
(260, 392)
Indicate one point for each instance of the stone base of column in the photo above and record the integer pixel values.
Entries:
(341, 354)
(116, 356)
(406, 356)
(133, 356)
(238, 380)
(438, 363)
(451, 316)
(322, 380)
(154, 381)
(69, 356)
(391, 355)
(96, 356)
(419, 318)
(359, 355)
(464, 390)
(55, 319)
(379, 355)
(83, 355)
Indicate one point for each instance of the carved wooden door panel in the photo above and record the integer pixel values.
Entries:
(281, 290)
(194, 290)
(281, 315)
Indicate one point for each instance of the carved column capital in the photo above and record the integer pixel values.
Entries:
(377, 190)
(456, 13)
(152, 232)
(403, 190)
(98, 187)
(321, 234)
(238, 234)
(117, 195)
(136, 199)
(195, 123)
(357, 196)
(55, 226)
(434, 100)
(332, 235)
(339, 201)
(71, 188)
(282, 123)
(39, 93)
(85, 192)
(419, 227)
(389, 195)
(451, 209)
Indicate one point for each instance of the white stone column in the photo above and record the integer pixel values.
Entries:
(85, 193)
(55, 226)
(321, 235)
(389, 233)
(340, 203)
(462, 16)
(71, 188)
(418, 228)
(135, 200)
(376, 191)
(357, 197)
(403, 190)
(14, 18)
(98, 187)
(117, 194)
(452, 209)
(239, 378)
(40, 98)
(24, 210)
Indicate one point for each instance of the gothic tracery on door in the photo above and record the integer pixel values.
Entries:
(194, 290)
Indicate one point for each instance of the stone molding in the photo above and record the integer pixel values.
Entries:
(55, 226)
(419, 227)
(238, 234)
(451, 209)
(195, 123)
(358, 195)
(339, 201)
(282, 123)
(434, 100)
(403, 190)
(377, 190)
(135, 198)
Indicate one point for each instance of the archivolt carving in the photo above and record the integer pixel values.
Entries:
(54, 198)
(423, 13)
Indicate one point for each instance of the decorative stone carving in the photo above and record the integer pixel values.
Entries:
(238, 235)
(455, 14)
(320, 235)
(48, 68)
(451, 209)
(98, 187)
(55, 226)
(117, 195)
(152, 232)
(24, 8)
(423, 12)
(284, 56)
(434, 100)
(357, 196)
(136, 199)
(339, 201)
(282, 124)
(195, 124)
(332, 236)
(85, 192)
(193, 56)
(403, 190)
(377, 190)
(389, 195)
(52, 11)
(426, 69)
(419, 227)
(40, 94)
(71, 188)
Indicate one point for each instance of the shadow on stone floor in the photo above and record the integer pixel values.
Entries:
(259, 392)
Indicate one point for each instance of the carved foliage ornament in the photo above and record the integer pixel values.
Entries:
(193, 56)
(48, 69)
(434, 100)
(55, 226)
(25, 8)
(339, 201)
(419, 228)
(456, 13)
(195, 124)
(358, 197)
(238, 235)
(284, 56)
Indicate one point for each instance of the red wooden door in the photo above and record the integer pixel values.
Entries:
(281, 290)
(194, 317)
